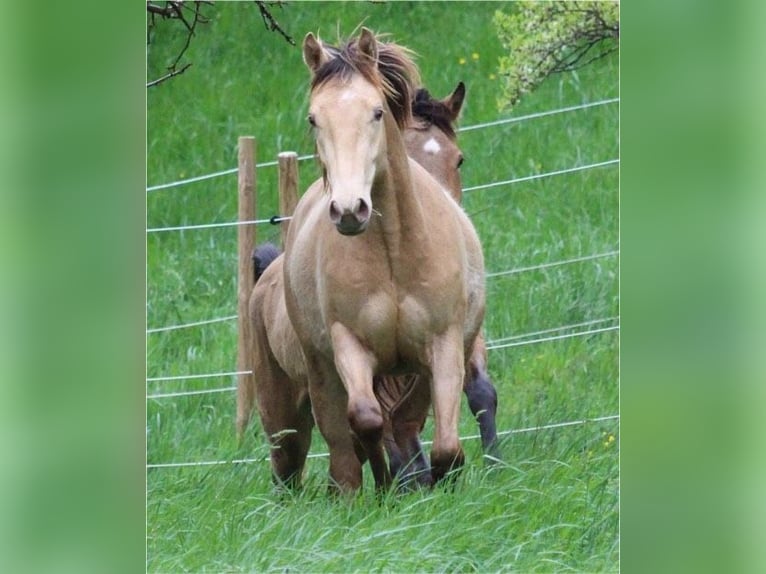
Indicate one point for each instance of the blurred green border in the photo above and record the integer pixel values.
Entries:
(73, 245)
(692, 310)
(692, 279)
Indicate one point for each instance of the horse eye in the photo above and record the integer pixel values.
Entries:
(460, 161)
(378, 114)
(311, 120)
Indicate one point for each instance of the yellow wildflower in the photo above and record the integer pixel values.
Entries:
(461, 61)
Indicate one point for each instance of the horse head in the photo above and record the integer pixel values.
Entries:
(356, 91)
(431, 140)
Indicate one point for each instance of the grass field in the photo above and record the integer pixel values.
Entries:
(553, 503)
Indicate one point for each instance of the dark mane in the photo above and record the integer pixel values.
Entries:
(433, 111)
(394, 73)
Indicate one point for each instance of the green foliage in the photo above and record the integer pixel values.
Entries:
(552, 37)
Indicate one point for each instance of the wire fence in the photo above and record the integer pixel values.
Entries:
(552, 264)
(276, 219)
(205, 376)
(462, 129)
(500, 434)
(488, 275)
(500, 343)
(541, 175)
(195, 324)
(211, 225)
(494, 342)
(187, 393)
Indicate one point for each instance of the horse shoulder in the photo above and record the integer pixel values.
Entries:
(458, 262)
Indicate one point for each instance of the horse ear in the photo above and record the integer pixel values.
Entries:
(313, 55)
(367, 44)
(455, 101)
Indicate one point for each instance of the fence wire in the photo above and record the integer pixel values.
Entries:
(276, 219)
(488, 276)
(425, 443)
(205, 376)
(541, 175)
(463, 129)
(501, 343)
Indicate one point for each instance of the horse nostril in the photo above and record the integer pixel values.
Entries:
(362, 210)
(335, 213)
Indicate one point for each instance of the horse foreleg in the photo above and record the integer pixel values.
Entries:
(354, 365)
(482, 397)
(408, 416)
(448, 371)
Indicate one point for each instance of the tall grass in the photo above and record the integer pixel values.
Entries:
(552, 504)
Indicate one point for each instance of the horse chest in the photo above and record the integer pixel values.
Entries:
(393, 328)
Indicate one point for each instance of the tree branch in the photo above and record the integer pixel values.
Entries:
(168, 76)
(174, 10)
(166, 11)
(191, 29)
(270, 23)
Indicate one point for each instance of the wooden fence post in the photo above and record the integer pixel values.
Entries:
(245, 244)
(288, 188)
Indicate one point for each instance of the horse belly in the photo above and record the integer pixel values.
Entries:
(285, 346)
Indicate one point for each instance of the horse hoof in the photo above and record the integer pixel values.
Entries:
(492, 454)
(446, 465)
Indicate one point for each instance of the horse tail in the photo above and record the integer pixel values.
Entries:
(263, 255)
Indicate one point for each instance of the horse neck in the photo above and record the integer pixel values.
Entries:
(393, 194)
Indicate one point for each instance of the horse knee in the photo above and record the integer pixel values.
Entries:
(366, 421)
(481, 394)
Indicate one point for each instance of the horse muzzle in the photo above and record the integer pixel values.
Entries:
(350, 221)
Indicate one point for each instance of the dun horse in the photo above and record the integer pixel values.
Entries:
(280, 371)
(383, 271)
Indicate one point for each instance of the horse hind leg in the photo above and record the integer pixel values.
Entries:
(386, 400)
(285, 412)
(290, 447)
(283, 406)
(405, 401)
(482, 399)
